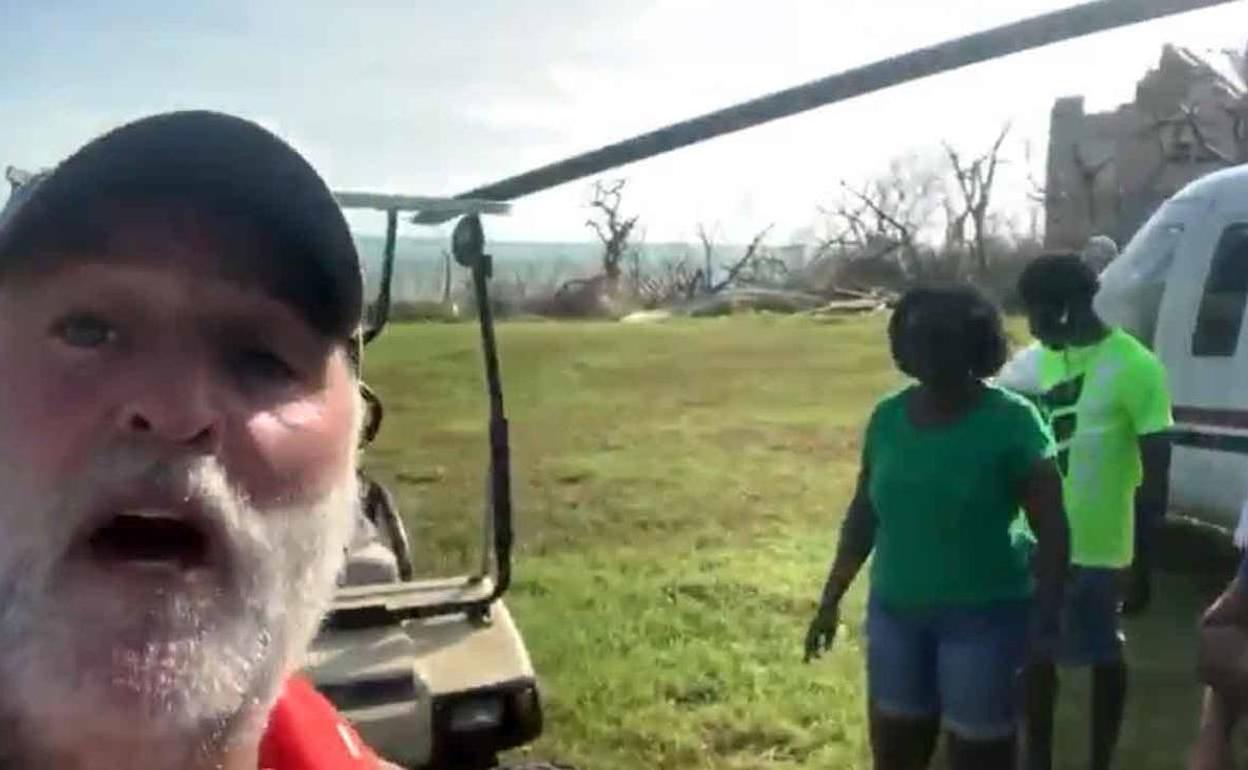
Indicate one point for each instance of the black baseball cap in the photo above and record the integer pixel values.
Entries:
(229, 159)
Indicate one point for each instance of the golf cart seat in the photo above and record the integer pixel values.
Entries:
(379, 551)
(369, 560)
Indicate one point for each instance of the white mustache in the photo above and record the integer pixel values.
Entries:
(136, 480)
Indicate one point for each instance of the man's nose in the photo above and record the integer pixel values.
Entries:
(176, 405)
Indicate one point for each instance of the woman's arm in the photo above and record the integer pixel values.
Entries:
(1042, 503)
(857, 540)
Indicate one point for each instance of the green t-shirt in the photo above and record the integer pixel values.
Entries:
(945, 498)
(1100, 399)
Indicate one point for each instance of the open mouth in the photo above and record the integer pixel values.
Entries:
(150, 538)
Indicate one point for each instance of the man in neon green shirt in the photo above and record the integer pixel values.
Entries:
(1107, 401)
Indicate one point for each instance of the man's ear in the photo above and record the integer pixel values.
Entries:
(355, 352)
(370, 414)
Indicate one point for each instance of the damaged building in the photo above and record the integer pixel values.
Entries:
(1107, 172)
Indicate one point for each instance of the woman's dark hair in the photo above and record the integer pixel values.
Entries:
(955, 329)
(1058, 279)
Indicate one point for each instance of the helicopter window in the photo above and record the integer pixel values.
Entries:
(1221, 314)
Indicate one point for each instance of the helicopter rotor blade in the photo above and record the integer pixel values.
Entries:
(1045, 29)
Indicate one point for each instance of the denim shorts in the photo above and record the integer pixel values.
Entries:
(960, 664)
(1090, 631)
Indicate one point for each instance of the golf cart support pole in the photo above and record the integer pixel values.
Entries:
(468, 248)
(381, 312)
(500, 450)
(1035, 32)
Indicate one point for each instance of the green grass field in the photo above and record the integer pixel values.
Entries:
(678, 491)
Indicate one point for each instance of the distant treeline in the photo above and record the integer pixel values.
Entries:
(419, 263)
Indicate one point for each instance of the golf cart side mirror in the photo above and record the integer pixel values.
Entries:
(468, 242)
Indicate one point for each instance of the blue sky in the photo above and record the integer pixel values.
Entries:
(430, 97)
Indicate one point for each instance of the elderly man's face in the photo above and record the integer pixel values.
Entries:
(176, 474)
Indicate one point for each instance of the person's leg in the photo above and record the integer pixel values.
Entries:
(980, 653)
(1040, 699)
(901, 743)
(1041, 682)
(901, 681)
(1109, 702)
(1212, 750)
(1221, 654)
(982, 755)
(1097, 614)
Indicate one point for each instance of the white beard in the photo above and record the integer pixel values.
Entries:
(85, 671)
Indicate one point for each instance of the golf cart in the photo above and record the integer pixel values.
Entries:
(433, 673)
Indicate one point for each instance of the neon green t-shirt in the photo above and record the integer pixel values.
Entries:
(1100, 399)
(944, 500)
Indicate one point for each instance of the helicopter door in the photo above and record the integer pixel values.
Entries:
(1201, 338)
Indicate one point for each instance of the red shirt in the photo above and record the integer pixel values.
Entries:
(305, 732)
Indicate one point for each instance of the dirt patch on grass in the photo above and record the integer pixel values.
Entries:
(734, 595)
(770, 743)
(421, 477)
(700, 692)
(811, 442)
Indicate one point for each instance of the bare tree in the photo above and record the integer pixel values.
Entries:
(764, 270)
(1237, 111)
(527, 277)
(1039, 196)
(1181, 139)
(884, 219)
(612, 228)
(446, 277)
(707, 239)
(883, 203)
(1193, 144)
(975, 180)
(1037, 191)
(735, 271)
(673, 280)
(1183, 136)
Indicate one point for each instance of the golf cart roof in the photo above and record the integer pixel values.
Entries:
(429, 208)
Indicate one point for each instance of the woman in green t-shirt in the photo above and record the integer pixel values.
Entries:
(954, 612)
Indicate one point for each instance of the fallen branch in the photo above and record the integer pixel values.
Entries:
(740, 264)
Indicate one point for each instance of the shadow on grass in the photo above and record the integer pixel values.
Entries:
(1195, 563)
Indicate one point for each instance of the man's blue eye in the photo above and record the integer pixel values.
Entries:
(84, 331)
